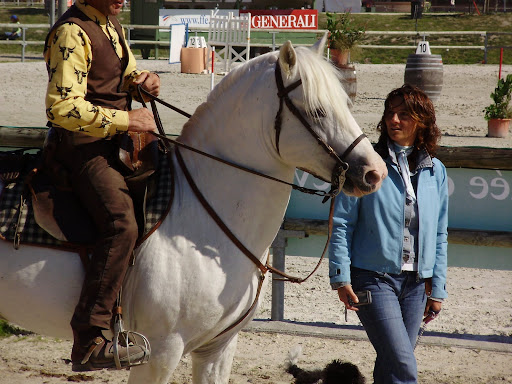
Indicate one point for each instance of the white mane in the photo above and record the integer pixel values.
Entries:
(321, 85)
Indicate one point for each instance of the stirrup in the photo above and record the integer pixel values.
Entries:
(126, 338)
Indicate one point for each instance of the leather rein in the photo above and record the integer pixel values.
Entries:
(338, 178)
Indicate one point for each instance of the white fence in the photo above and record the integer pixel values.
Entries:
(244, 40)
(229, 32)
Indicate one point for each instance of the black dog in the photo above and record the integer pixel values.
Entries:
(335, 372)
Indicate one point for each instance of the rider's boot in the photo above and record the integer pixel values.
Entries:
(92, 351)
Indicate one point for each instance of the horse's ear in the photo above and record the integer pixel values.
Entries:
(287, 58)
(319, 46)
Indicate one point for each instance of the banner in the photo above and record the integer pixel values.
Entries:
(191, 17)
(480, 199)
(283, 19)
(487, 192)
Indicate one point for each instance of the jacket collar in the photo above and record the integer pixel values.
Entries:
(424, 160)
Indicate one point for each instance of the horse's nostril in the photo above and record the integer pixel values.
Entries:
(372, 178)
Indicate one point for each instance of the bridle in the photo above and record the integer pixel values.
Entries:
(340, 169)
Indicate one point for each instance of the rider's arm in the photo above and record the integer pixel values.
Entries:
(68, 59)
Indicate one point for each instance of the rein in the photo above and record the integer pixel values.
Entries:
(161, 135)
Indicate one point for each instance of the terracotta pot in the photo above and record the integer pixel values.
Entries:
(340, 57)
(498, 127)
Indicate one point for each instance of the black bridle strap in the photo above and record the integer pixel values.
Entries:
(341, 167)
(282, 93)
(161, 135)
(352, 146)
(153, 98)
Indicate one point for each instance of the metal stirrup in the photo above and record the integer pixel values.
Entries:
(126, 339)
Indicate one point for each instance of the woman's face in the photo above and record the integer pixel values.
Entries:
(400, 126)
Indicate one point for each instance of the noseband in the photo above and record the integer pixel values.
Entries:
(341, 167)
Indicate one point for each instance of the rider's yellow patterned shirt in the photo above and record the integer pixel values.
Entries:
(69, 56)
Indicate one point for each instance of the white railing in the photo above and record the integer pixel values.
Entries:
(23, 42)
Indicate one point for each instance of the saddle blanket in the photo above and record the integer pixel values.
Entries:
(17, 222)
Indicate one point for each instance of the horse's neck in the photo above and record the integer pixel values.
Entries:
(252, 206)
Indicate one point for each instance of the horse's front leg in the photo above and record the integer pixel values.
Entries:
(211, 364)
(166, 354)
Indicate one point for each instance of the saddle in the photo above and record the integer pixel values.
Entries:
(37, 205)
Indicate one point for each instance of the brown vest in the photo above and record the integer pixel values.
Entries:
(105, 78)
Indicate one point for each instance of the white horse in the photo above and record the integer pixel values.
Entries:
(190, 282)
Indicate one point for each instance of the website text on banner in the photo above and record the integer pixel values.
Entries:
(194, 18)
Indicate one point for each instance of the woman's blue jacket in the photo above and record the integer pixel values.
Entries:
(368, 231)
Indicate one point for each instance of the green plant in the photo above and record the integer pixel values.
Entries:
(7, 329)
(500, 108)
(343, 32)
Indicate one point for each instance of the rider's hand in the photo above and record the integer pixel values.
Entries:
(150, 82)
(346, 292)
(141, 120)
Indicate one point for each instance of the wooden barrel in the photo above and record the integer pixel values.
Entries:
(349, 81)
(426, 73)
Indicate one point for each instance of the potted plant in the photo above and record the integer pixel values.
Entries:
(343, 36)
(498, 114)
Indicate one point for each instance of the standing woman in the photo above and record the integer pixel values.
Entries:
(393, 242)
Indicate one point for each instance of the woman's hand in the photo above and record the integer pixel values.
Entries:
(345, 293)
(432, 309)
(432, 306)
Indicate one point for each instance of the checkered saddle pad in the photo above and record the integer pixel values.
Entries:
(17, 222)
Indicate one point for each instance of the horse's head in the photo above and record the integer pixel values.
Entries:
(312, 98)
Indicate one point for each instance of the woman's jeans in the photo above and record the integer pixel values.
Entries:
(392, 321)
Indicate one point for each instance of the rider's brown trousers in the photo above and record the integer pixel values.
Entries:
(103, 191)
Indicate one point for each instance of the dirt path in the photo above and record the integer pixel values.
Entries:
(471, 341)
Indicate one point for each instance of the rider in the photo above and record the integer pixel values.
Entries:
(92, 75)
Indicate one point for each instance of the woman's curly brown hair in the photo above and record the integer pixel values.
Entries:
(421, 109)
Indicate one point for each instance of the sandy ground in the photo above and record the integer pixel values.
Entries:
(471, 341)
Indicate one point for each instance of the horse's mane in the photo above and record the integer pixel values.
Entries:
(323, 92)
(322, 87)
